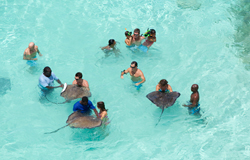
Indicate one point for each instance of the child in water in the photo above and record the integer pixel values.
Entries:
(111, 45)
(103, 112)
(149, 41)
(129, 38)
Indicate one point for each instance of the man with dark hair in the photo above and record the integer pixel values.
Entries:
(136, 74)
(84, 106)
(79, 81)
(46, 80)
(137, 38)
(193, 104)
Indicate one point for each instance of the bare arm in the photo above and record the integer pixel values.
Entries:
(129, 41)
(39, 52)
(124, 72)
(106, 47)
(143, 79)
(86, 84)
(195, 102)
(170, 88)
(96, 113)
(157, 87)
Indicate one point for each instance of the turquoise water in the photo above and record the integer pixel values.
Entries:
(197, 42)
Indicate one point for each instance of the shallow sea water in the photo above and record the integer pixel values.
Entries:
(196, 43)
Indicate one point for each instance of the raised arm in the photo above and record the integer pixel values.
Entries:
(124, 72)
(157, 87)
(129, 41)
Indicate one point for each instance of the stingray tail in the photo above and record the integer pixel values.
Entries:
(160, 116)
(57, 129)
(55, 102)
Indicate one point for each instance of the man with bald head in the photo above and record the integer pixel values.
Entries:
(30, 54)
(193, 105)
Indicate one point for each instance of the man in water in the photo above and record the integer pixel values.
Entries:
(46, 80)
(136, 74)
(84, 106)
(137, 38)
(80, 82)
(30, 54)
(193, 106)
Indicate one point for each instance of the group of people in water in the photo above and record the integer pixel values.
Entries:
(46, 80)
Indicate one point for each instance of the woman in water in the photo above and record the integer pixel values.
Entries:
(111, 45)
(163, 86)
(103, 112)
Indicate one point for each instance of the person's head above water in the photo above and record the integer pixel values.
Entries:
(163, 84)
(31, 45)
(101, 106)
(127, 33)
(47, 71)
(133, 65)
(78, 78)
(112, 42)
(152, 33)
(137, 30)
(84, 101)
(194, 88)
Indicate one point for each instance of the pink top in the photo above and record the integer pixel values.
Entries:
(148, 43)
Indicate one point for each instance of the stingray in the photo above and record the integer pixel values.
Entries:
(162, 99)
(71, 92)
(80, 120)
(4, 85)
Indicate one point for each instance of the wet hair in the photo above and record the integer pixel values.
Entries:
(137, 30)
(163, 82)
(152, 31)
(127, 33)
(79, 74)
(101, 106)
(134, 62)
(46, 69)
(85, 99)
(111, 41)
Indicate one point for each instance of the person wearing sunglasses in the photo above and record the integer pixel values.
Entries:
(80, 82)
(137, 38)
(136, 74)
(46, 80)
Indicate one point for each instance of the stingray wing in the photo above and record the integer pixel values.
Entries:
(86, 122)
(80, 120)
(74, 92)
(162, 99)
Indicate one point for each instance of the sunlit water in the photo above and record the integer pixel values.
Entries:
(195, 44)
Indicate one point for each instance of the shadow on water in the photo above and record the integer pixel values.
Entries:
(4, 85)
(241, 12)
(94, 134)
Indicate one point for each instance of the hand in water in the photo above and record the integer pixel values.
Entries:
(184, 105)
(61, 85)
(34, 59)
(121, 77)
(137, 84)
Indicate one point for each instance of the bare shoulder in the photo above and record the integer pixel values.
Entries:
(74, 82)
(36, 47)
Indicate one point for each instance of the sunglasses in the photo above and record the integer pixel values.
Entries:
(132, 67)
(77, 79)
